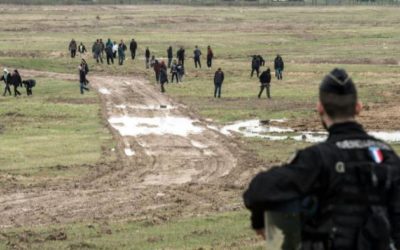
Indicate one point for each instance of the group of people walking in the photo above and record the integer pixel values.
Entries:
(14, 79)
(265, 77)
(176, 66)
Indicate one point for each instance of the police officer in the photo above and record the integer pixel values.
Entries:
(352, 177)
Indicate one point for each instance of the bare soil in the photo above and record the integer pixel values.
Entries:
(167, 177)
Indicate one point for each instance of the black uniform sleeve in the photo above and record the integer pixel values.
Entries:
(282, 184)
(394, 212)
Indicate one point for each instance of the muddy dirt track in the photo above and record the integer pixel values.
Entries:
(171, 163)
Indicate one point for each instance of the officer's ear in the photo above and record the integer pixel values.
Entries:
(359, 107)
(320, 109)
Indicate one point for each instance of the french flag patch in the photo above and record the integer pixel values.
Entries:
(376, 154)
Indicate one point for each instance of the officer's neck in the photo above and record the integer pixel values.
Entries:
(330, 122)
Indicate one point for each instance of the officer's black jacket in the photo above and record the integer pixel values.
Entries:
(308, 175)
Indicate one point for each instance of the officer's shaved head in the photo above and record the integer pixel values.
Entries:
(338, 95)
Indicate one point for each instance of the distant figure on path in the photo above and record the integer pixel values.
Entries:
(115, 49)
(218, 80)
(279, 66)
(163, 76)
(72, 48)
(181, 70)
(82, 79)
(157, 69)
(97, 52)
(265, 80)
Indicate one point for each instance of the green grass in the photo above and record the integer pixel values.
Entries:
(222, 231)
(57, 126)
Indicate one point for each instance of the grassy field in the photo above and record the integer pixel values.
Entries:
(57, 134)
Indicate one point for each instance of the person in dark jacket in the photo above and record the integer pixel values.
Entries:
(97, 51)
(109, 42)
(261, 59)
(279, 66)
(29, 84)
(265, 80)
(109, 54)
(147, 56)
(352, 179)
(218, 80)
(210, 56)
(174, 72)
(6, 77)
(163, 76)
(181, 71)
(72, 48)
(181, 55)
(170, 56)
(16, 81)
(255, 66)
(82, 79)
(82, 49)
(133, 48)
(197, 56)
(121, 52)
(157, 69)
(102, 47)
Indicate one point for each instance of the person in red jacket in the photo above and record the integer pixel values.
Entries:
(210, 56)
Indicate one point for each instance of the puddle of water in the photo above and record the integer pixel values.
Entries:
(197, 144)
(104, 91)
(121, 106)
(393, 136)
(134, 126)
(129, 152)
(253, 128)
(144, 107)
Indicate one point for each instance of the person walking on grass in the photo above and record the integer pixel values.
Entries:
(265, 80)
(72, 48)
(29, 84)
(210, 56)
(133, 48)
(181, 55)
(163, 76)
(109, 54)
(196, 56)
(170, 56)
(6, 77)
(279, 66)
(218, 80)
(181, 70)
(115, 49)
(147, 57)
(109, 43)
(82, 49)
(97, 51)
(121, 52)
(102, 46)
(16, 81)
(255, 66)
(157, 69)
(174, 72)
(82, 79)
